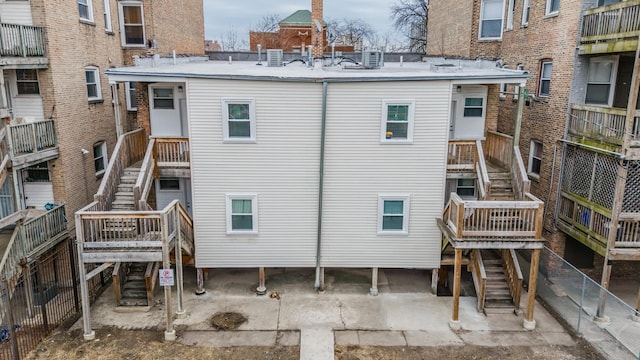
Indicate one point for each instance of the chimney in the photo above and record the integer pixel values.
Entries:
(317, 35)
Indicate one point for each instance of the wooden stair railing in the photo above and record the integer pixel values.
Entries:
(479, 277)
(484, 183)
(514, 275)
(144, 183)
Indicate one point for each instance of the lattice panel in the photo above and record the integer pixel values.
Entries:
(604, 182)
(631, 201)
(578, 171)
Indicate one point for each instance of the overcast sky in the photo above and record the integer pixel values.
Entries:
(222, 15)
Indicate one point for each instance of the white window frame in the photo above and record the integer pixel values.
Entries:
(510, 15)
(548, 11)
(129, 90)
(107, 16)
(123, 37)
(503, 91)
(18, 81)
(410, 120)
(225, 120)
(96, 72)
(105, 162)
(526, 13)
(482, 19)
(254, 213)
(612, 80)
(532, 147)
(541, 79)
(89, 5)
(406, 205)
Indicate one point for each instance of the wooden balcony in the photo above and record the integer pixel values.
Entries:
(603, 126)
(172, 156)
(610, 29)
(32, 143)
(21, 44)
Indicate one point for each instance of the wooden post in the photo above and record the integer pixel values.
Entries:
(529, 321)
(200, 282)
(180, 312)
(84, 286)
(434, 281)
(374, 282)
(261, 289)
(170, 332)
(516, 132)
(457, 269)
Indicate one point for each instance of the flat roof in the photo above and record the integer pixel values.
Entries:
(471, 71)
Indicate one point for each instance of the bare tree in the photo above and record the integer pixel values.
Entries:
(410, 18)
(356, 32)
(229, 40)
(267, 23)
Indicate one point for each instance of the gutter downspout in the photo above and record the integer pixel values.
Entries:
(321, 184)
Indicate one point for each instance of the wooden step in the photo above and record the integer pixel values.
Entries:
(133, 302)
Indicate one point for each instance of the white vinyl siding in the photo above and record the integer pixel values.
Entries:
(281, 169)
(38, 194)
(358, 168)
(16, 12)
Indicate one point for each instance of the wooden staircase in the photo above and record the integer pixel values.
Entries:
(501, 183)
(134, 284)
(124, 199)
(497, 298)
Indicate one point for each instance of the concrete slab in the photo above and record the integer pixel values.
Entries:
(316, 343)
(362, 312)
(502, 338)
(288, 338)
(228, 338)
(416, 312)
(557, 338)
(432, 338)
(302, 311)
(382, 338)
(346, 337)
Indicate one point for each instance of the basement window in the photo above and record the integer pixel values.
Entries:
(242, 213)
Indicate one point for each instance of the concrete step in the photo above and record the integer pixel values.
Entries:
(133, 302)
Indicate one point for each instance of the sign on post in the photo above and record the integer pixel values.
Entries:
(166, 277)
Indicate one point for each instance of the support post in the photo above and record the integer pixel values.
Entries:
(321, 277)
(636, 316)
(200, 282)
(170, 332)
(374, 282)
(180, 312)
(529, 322)
(516, 132)
(457, 270)
(262, 289)
(434, 281)
(84, 287)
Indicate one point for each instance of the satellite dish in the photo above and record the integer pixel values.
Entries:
(318, 25)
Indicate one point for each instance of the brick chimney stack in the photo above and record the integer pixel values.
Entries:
(317, 37)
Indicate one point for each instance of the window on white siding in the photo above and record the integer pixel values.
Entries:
(27, 82)
(92, 75)
(163, 98)
(535, 158)
(107, 16)
(242, 213)
(511, 14)
(100, 157)
(132, 104)
(602, 72)
(552, 7)
(131, 23)
(544, 88)
(397, 121)
(491, 19)
(466, 188)
(393, 214)
(526, 10)
(238, 120)
(85, 10)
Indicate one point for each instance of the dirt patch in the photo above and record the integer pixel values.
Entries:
(227, 321)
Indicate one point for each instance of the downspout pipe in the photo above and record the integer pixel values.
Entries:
(321, 181)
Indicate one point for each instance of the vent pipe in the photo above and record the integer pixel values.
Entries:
(259, 54)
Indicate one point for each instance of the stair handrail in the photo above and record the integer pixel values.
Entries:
(479, 276)
(499, 148)
(484, 183)
(142, 188)
(129, 149)
(514, 275)
(521, 182)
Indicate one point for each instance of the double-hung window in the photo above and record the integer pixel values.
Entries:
(107, 16)
(27, 82)
(602, 72)
(397, 121)
(238, 120)
(526, 10)
(393, 214)
(544, 87)
(92, 75)
(473, 107)
(535, 158)
(163, 98)
(100, 157)
(242, 213)
(491, 19)
(132, 104)
(131, 23)
(85, 10)
(552, 8)
(511, 11)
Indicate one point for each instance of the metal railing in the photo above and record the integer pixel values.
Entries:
(32, 137)
(21, 40)
(613, 22)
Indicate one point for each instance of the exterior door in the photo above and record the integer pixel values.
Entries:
(469, 113)
(37, 186)
(167, 110)
(169, 189)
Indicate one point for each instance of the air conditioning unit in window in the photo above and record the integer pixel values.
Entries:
(370, 59)
(274, 57)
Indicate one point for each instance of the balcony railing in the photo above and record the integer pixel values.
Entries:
(605, 124)
(615, 22)
(34, 141)
(21, 40)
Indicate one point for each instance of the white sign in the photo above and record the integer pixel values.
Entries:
(166, 277)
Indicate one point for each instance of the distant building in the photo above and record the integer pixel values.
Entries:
(212, 45)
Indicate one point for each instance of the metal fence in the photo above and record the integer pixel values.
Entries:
(45, 295)
(575, 297)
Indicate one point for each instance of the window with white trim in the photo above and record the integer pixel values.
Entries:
(107, 16)
(544, 87)
(535, 158)
(238, 120)
(131, 23)
(100, 157)
(242, 213)
(503, 91)
(85, 10)
(473, 107)
(163, 98)
(466, 188)
(526, 10)
(553, 6)
(393, 214)
(27, 82)
(132, 103)
(92, 76)
(491, 19)
(602, 73)
(511, 11)
(397, 121)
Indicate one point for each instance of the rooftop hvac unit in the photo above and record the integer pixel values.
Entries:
(371, 59)
(274, 57)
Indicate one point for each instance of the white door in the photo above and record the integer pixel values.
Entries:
(37, 186)
(468, 117)
(165, 110)
(169, 189)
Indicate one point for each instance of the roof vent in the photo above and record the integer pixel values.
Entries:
(371, 59)
(274, 57)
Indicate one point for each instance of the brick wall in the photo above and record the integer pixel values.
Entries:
(449, 31)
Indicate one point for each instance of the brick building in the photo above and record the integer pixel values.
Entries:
(579, 130)
(52, 58)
